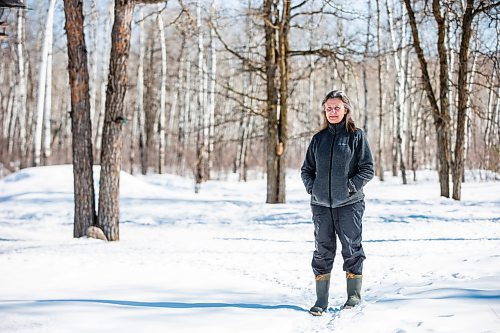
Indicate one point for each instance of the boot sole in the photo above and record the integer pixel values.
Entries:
(316, 311)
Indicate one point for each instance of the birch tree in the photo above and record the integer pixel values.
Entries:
(381, 92)
(21, 87)
(47, 112)
(102, 107)
(44, 68)
(399, 96)
(93, 29)
(365, 79)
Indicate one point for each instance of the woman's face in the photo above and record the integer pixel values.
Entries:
(334, 110)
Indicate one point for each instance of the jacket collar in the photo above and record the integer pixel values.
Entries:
(337, 128)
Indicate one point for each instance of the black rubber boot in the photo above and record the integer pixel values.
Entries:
(353, 290)
(322, 288)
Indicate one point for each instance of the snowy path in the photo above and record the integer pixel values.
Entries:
(225, 261)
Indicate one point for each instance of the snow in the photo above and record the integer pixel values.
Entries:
(224, 261)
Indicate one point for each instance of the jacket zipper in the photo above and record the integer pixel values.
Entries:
(330, 167)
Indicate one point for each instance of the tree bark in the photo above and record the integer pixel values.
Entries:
(212, 75)
(80, 119)
(21, 87)
(276, 36)
(163, 95)
(365, 78)
(399, 90)
(47, 111)
(112, 137)
(441, 118)
(201, 123)
(102, 107)
(184, 136)
(140, 116)
(93, 29)
(42, 81)
(462, 99)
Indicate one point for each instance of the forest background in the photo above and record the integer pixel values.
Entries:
(209, 88)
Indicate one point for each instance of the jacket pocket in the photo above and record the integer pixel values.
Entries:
(351, 188)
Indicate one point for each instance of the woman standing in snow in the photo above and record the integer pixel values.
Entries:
(337, 165)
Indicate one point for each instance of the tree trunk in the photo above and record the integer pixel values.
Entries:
(80, 119)
(184, 136)
(21, 87)
(102, 108)
(93, 29)
(112, 137)
(176, 102)
(200, 147)
(47, 112)
(212, 74)
(365, 79)
(140, 116)
(276, 35)
(150, 107)
(399, 98)
(163, 95)
(380, 98)
(136, 134)
(441, 118)
(492, 111)
(42, 81)
(462, 99)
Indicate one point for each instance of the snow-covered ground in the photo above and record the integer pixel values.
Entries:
(224, 261)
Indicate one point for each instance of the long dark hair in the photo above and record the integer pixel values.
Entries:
(350, 126)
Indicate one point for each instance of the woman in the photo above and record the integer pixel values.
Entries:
(338, 164)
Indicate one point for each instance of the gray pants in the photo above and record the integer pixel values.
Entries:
(345, 223)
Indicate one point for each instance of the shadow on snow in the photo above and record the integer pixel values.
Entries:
(175, 305)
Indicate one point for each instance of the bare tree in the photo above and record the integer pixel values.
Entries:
(102, 107)
(380, 163)
(112, 136)
(44, 69)
(399, 90)
(114, 119)
(21, 94)
(212, 74)
(80, 119)
(138, 128)
(276, 17)
(163, 94)
(440, 112)
(463, 94)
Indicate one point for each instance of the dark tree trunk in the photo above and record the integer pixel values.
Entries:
(150, 110)
(441, 117)
(458, 169)
(276, 32)
(112, 136)
(80, 119)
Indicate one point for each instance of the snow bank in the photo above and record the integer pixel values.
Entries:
(224, 261)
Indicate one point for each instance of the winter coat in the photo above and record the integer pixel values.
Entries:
(337, 166)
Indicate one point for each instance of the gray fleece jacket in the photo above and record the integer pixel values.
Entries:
(337, 166)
